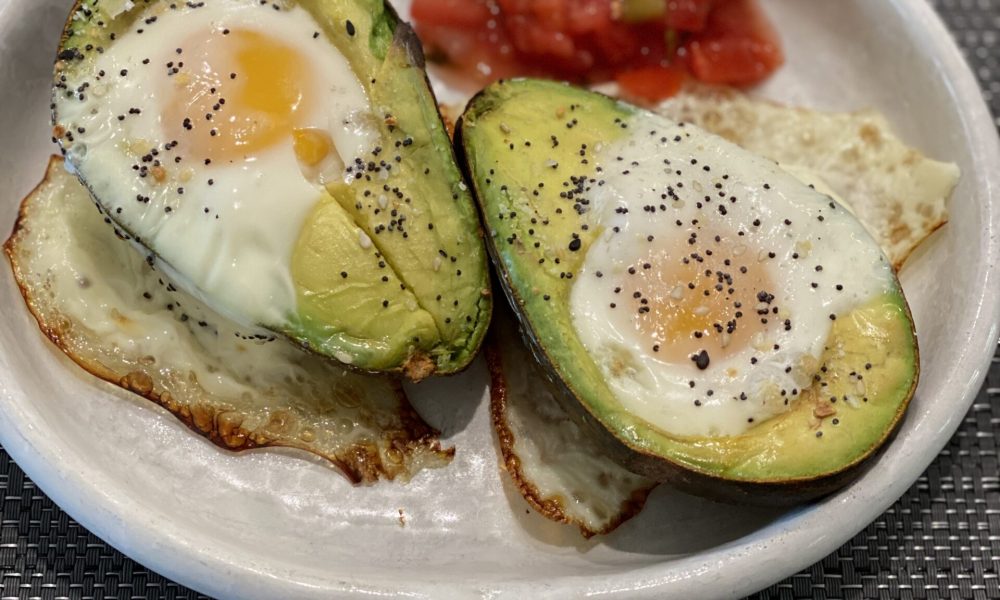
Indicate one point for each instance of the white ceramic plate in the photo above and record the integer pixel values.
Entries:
(274, 525)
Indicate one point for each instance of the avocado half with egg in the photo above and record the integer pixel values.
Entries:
(286, 163)
(714, 321)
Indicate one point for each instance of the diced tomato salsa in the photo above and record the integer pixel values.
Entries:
(738, 45)
(647, 46)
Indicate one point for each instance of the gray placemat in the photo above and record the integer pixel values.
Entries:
(940, 540)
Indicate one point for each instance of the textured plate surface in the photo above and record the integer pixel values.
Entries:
(275, 525)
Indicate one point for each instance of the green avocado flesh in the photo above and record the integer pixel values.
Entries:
(412, 295)
(520, 141)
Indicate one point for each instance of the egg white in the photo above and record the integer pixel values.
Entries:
(118, 319)
(817, 246)
(233, 218)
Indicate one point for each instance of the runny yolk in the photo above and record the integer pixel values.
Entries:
(236, 93)
(684, 298)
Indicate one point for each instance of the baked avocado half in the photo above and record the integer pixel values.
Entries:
(285, 162)
(715, 322)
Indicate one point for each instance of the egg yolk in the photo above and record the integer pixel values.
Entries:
(235, 93)
(708, 292)
(312, 146)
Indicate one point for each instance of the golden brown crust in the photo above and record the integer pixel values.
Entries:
(549, 507)
(449, 123)
(67, 26)
(897, 265)
(418, 367)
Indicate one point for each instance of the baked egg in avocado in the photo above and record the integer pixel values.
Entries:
(716, 322)
(286, 163)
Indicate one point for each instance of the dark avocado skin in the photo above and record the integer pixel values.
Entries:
(659, 456)
(388, 59)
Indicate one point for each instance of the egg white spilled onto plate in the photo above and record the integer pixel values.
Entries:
(116, 317)
(553, 462)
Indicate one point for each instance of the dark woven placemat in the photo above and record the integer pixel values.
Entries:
(940, 540)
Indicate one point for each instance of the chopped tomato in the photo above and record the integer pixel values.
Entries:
(651, 84)
(480, 55)
(531, 37)
(688, 15)
(589, 16)
(725, 41)
(450, 13)
(547, 14)
(738, 46)
(624, 47)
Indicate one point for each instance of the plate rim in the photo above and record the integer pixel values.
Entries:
(117, 520)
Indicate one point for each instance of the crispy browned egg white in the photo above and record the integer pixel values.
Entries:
(552, 461)
(116, 317)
